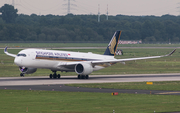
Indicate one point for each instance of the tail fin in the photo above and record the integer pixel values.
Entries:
(111, 49)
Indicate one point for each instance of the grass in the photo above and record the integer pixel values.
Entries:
(13, 101)
(51, 45)
(167, 85)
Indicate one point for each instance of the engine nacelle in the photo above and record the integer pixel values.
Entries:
(26, 70)
(83, 69)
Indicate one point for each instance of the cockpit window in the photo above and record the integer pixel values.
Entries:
(24, 55)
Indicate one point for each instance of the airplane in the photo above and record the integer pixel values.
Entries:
(83, 64)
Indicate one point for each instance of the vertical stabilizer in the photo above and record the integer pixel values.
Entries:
(111, 49)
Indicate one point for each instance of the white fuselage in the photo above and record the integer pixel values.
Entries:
(53, 59)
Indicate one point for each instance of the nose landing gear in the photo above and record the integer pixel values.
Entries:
(22, 75)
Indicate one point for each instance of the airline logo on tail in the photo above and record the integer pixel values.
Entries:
(112, 45)
(111, 49)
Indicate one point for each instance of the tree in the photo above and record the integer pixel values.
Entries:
(150, 39)
(9, 14)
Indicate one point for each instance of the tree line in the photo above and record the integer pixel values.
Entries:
(21, 27)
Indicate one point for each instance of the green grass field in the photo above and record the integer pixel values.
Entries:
(166, 85)
(51, 45)
(13, 101)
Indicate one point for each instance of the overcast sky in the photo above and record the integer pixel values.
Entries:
(124, 7)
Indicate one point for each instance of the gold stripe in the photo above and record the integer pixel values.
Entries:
(113, 44)
(57, 59)
(117, 43)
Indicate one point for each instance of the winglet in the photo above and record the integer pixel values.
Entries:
(5, 49)
(171, 53)
(9, 54)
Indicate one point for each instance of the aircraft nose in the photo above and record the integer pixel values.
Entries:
(17, 61)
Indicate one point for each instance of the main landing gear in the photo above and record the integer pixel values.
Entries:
(83, 76)
(54, 75)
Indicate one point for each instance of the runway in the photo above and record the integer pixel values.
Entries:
(45, 80)
(44, 83)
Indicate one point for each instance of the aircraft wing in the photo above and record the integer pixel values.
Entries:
(70, 65)
(130, 59)
(9, 54)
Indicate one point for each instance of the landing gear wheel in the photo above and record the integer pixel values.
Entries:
(87, 77)
(59, 76)
(22, 75)
(79, 76)
(54, 76)
(82, 76)
(50, 76)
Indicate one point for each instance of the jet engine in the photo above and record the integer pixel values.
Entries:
(83, 69)
(26, 70)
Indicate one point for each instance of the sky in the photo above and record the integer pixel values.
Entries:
(115, 7)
